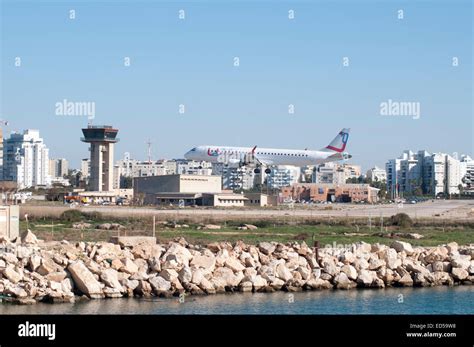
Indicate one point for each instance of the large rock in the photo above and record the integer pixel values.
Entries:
(390, 257)
(266, 248)
(452, 247)
(283, 273)
(211, 227)
(342, 281)
(366, 277)
(131, 241)
(23, 252)
(29, 238)
(154, 264)
(16, 291)
(361, 264)
(350, 272)
(34, 262)
(401, 246)
(129, 266)
(57, 276)
(205, 262)
(437, 266)
(9, 258)
(84, 280)
(160, 285)
(110, 278)
(180, 253)
(462, 261)
(330, 268)
(227, 277)
(169, 274)
(47, 266)
(375, 263)
(417, 268)
(12, 275)
(406, 280)
(197, 277)
(185, 275)
(436, 254)
(348, 257)
(207, 286)
(258, 282)
(234, 264)
(459, 273)
(317, 283)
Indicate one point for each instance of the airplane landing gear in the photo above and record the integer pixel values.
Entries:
(268, 171)
(257, 171)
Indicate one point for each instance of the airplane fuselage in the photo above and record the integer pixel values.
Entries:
(266, 156)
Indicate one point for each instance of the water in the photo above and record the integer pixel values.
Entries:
(439, 300)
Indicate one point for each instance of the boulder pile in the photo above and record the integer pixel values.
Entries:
(32, 270)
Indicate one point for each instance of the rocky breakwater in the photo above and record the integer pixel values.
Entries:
(32, 271)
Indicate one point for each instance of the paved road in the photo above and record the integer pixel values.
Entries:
(449, 209)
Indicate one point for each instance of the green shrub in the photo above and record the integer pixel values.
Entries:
(401, 220)
(94, 216)
(72, 216)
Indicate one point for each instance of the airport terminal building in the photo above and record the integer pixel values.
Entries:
(190, 190)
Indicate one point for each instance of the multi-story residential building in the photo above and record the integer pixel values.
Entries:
(26, 160)
(282, 176)
(424, 173)
(128, 167)
(467, 173)
(434, 174)
(85, 167)
(58, 167)
(335, 173)
(377, 174)
(192, 167)
(234, 178)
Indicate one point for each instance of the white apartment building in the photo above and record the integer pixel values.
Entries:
(85, 167)
(335, 173)
(26, 160)
(283, 176)
(192, 167)
(234, 178)
(425, 173)
(467, 172)
(128, 167)
(377, 174)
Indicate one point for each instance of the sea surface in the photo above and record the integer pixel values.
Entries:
(434, 300)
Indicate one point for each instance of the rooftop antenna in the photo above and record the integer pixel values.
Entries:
(149, 150)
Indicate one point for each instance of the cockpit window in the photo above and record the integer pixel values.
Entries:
(194, 149)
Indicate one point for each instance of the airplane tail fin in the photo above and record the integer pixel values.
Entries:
(339, 143)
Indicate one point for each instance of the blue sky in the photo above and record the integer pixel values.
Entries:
(282, 62)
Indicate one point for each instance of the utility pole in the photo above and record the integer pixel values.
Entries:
(149, 150)
(154, 226)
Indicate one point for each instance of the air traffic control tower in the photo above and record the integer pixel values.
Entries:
(102, 139)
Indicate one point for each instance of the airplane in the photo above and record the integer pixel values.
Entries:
(266, 157)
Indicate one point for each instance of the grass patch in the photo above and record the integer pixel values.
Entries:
(52, 229)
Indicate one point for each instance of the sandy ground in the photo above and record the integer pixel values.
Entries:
(440, 209)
